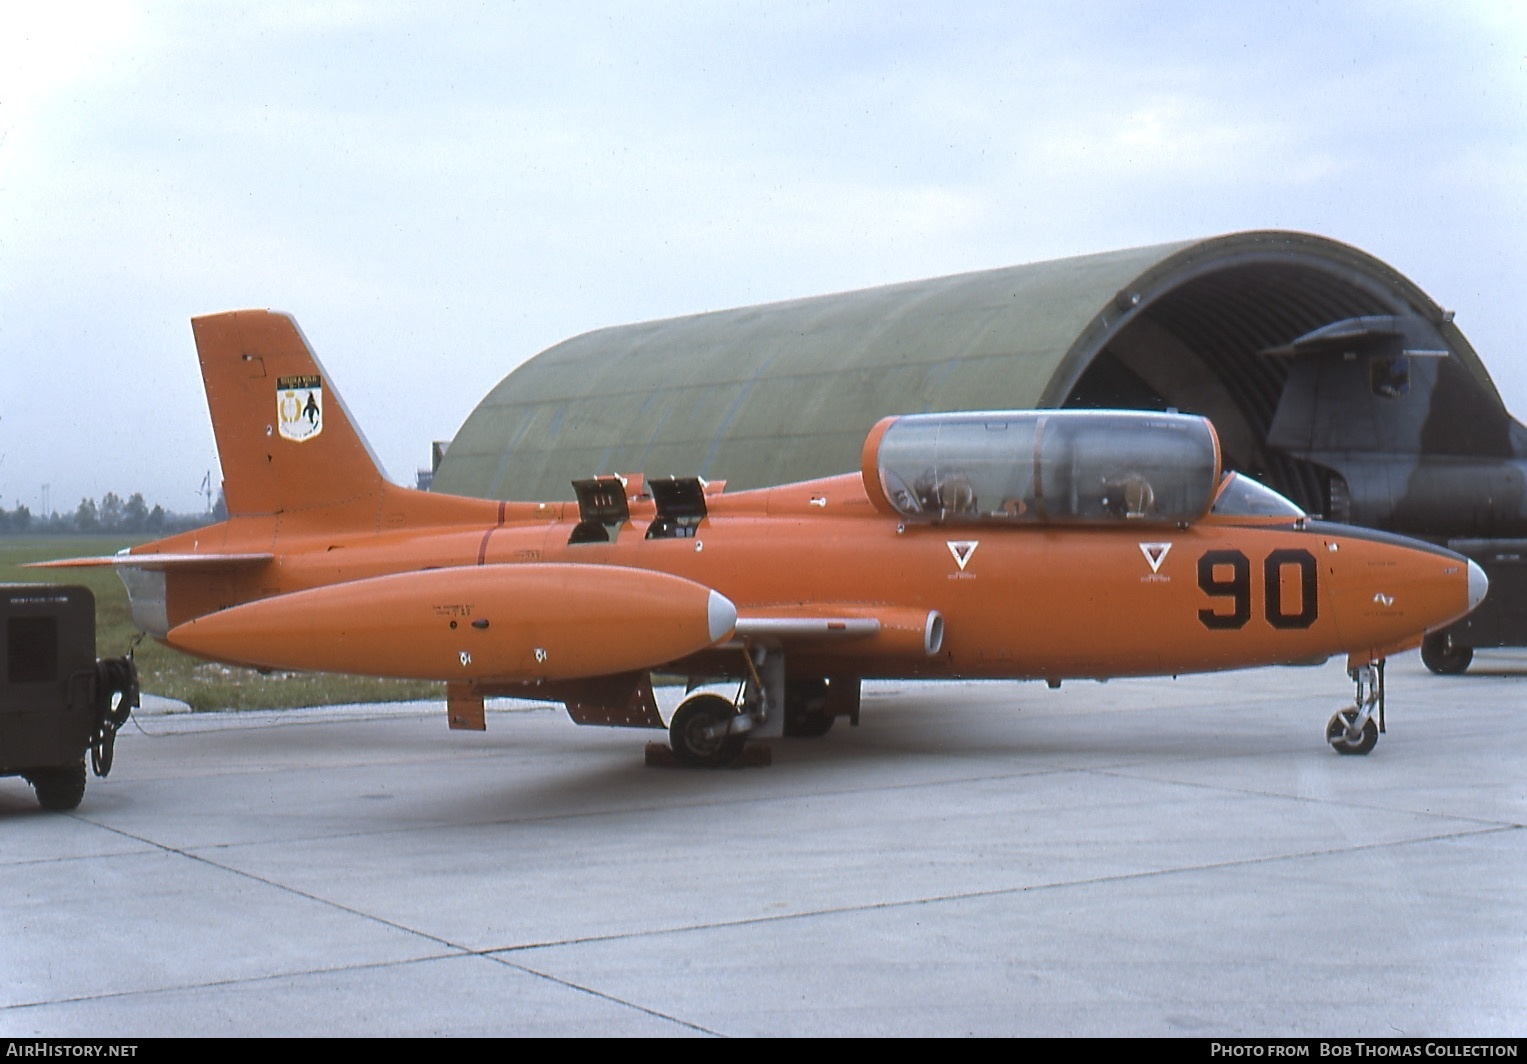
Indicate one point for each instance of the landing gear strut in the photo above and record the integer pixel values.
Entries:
(1356, 730)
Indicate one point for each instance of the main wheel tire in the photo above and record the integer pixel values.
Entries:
(1444, 657)
(59, 789)
(1336, 733)
(687, 734)
(804, 704)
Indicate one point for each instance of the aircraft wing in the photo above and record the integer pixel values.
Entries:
(884, 629)
(805, 629)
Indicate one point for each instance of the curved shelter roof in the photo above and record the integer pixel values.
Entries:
(787, 391)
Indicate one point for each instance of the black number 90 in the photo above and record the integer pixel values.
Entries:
(1227, 574)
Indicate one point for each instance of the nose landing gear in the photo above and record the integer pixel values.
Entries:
(1356, 730)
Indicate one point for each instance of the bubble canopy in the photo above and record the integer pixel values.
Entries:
(1076, 467)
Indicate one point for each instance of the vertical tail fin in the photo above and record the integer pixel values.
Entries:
(284, 437)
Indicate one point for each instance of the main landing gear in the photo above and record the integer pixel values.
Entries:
(1356, 729)
(1443, 656)
(806, 715)
(710, 730)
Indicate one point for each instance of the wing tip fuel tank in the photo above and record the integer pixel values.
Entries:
(472, 623)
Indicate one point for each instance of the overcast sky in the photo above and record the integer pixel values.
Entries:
(438, 192)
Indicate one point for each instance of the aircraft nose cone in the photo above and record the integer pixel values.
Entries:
(1479, 583)
(721, 615)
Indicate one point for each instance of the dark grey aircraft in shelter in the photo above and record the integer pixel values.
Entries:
(1329, 375)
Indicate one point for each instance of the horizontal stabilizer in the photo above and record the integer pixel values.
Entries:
(156, 562)
(1372, 333)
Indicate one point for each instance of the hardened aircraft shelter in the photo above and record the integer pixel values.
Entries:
(787, 391)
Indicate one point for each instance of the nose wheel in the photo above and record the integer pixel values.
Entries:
(1356, 729)
(1347, 736)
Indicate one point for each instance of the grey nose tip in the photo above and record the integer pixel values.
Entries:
(1479, 583)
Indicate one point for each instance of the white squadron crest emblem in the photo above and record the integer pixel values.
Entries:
(299, 407)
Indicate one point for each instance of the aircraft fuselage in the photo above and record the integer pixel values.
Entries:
(1044, 603)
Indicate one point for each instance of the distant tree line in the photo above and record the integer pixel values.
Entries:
(111, 515)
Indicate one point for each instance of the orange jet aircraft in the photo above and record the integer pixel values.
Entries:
(1019, 544)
